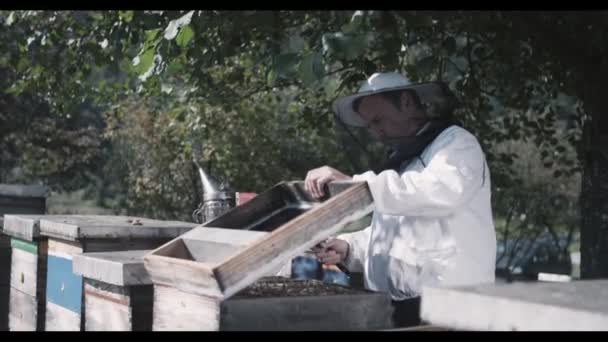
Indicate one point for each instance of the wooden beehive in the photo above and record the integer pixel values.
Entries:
(580, 305)
(117, 290)
(119, 296)
(27, 272)
(96, 233)
(15, 199)
(197, 272)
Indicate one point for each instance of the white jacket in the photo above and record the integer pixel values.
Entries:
(432, 222)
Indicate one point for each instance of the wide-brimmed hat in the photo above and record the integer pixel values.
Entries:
(436, 97)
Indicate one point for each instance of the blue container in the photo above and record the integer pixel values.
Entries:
(309, 268)
(336, 277)
(305, 268)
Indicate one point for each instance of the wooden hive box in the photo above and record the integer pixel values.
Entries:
(94, 233)
(119, 296)
(117, 290)
(15, 199)
(27, 272)
(522, 306)
(196, 275)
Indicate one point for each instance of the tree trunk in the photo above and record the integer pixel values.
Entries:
(594, 192)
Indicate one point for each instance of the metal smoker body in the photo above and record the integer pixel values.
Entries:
(218, 197)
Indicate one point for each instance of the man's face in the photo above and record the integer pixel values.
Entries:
(385, 121)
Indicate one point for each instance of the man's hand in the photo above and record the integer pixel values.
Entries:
(332, 252)
(317, 178)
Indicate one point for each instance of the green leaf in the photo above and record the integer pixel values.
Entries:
(16, 88)
(145, 61)
(151, 36)
(184, 35)
(175, 67)
(126, 16)
(271, 77)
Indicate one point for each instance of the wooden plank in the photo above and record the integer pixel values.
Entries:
(357, 312)
(293, 238)
(122, 268)
(115, 308)
(26, 227)
(26, 246)
(123, 244)
(64, 248)
(578, 305)
(107, 307)
(175, 310)
(24, 271)
(23, 312)
(112, 227)
(64, 288)
(423, 327)
(61, 319)
(180, 269)
(214, 262)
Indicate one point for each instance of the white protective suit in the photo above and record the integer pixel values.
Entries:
(432, 224)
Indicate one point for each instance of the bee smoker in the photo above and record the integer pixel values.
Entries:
(217, 197)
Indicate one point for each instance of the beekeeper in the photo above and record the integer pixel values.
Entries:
(432, 223)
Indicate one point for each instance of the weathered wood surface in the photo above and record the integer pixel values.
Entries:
(78, 227)
(59, 318)
(194, 264)
(28, 278)
(293, 238)
(26, 227)
(275, 305)
(578, 305)
(24, 271)
(175, 310)
(24, 312)
(307, 313)
(122, 268)
(107, 307)
(187, 263)
(115, 308)
(424, 327)
(65, 288)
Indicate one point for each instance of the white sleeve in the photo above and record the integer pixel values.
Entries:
(357, 242)
(454, 173)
